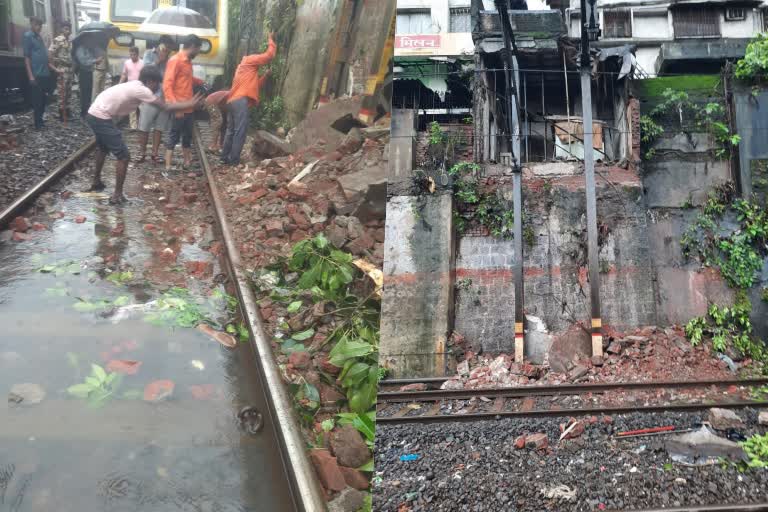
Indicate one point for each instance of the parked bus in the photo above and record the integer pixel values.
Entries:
(139, 17)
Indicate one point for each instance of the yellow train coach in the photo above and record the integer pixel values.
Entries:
(148, 20)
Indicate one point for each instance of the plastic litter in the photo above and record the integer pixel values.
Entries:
(559, 492)
(409, 457)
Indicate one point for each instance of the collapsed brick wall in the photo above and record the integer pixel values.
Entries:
(556, 286)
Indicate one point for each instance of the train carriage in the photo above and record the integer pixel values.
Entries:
(14, 21)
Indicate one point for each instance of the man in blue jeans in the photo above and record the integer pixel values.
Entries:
(244, 94)
(37, 68)
(112, 105)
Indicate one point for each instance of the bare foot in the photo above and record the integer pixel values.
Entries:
(96, 186)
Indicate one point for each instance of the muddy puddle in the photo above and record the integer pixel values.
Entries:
(113, 404)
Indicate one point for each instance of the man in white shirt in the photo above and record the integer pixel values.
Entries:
(115, 103)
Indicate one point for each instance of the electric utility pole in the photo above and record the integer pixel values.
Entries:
(590, 31)
(513, 130)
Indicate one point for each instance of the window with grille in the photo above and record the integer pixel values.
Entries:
(617, 24)
(460, 20)
(414, 22)
(696, 22)
(735, 14)
(34, 8)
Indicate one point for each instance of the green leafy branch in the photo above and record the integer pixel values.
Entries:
(754, 65)
(98, 387)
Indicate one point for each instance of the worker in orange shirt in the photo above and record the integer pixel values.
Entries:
(177, 87)
(243, 94)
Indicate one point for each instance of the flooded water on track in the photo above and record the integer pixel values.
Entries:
(115, 401)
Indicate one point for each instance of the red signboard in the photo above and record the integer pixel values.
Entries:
(417, 42)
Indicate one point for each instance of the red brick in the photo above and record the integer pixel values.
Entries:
(326, 366)
(328, 470)
(298, 190)
(300, 359)
(189, 197)
(198, 268)
(527, 405)
(355, 478)
(20, 224)
(150, 227)
(118, 230)
(18, 236)
(273, 227)
(80, 219)
(66, 194)
(537, 441)
(38, 226)
(301, 220)
(520, 443)
(259, 192)
(298, 235)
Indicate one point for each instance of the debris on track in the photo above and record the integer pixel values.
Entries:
(308, 217)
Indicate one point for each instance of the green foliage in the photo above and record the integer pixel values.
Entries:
(756, 448)
(754, 65)
(488, 209)
(326, 274)
(98, 305)
(728, 327)
(60, 268)
(436, 134)
(690, 116)
(177, 308)
(324, 269)
(98, 387)
(739, 255)
(120, 277)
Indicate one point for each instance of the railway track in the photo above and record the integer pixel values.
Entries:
(304, 488)
(573, 400)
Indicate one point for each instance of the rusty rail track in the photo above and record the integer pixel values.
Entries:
(503, 396)
(60, 170)
(301, 477)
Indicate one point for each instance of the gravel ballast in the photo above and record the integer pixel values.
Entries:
(38, 153)
(474, 466)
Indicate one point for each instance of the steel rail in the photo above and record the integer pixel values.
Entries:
(587, 411)
(55, 174)
(301, 476)
(563, 389)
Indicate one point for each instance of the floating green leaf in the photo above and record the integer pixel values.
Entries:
(293, 307)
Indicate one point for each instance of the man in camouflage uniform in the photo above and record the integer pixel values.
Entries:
(61, 58)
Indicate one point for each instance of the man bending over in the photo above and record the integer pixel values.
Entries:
(115, 103)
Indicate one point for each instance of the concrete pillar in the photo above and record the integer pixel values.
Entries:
(417, 303)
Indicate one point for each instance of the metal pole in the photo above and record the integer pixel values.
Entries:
(589, 174)
(513, 127)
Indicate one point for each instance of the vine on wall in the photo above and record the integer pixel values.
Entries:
(732, 235)
(690, 116)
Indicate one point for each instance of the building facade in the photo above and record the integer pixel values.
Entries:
(677, 36)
